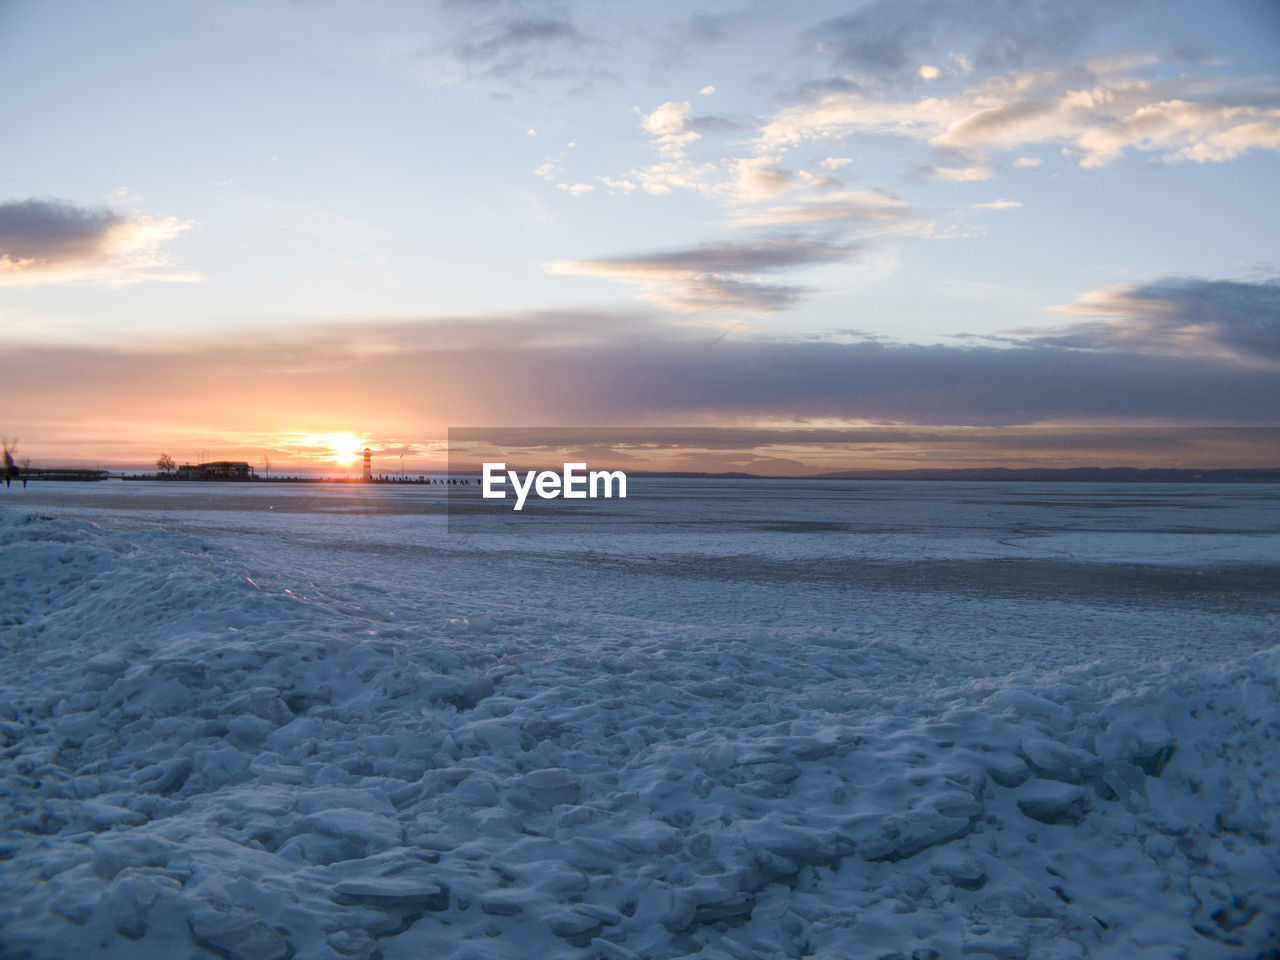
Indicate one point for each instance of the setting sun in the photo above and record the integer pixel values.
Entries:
(343, 449)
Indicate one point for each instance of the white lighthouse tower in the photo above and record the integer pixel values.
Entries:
(368, 465)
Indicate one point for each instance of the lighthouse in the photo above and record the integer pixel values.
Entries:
(368, 465)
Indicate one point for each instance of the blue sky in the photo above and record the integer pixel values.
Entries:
(509, 209)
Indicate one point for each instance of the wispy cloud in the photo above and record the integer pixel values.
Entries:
(506, 45)
(851, 207)
(56, 242)
(724, 276)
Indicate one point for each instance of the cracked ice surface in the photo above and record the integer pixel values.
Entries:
(269, 722)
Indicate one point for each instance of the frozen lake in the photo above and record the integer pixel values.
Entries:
(721, 718)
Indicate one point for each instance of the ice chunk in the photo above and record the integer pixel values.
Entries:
(249, 728)
(331, 798)
(107, 663)
(1055, 760)
(502, 904)
(233, 931)
(1006, 769)
(647, 836)
(371, 829)
(550, 778)
(1053, 802)
(394, 892)
(959, 868)
(131, 898)
(613, 951)
(102, 815)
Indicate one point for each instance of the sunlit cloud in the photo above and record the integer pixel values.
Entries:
(670, 126)
(847, 206)
(759, 178)
(45, 242)
(1097, 112)
(959, 174)
(618, 185)
(660, 179)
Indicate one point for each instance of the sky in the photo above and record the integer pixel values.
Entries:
(904, 232)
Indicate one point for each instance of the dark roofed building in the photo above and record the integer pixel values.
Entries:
(217, 470)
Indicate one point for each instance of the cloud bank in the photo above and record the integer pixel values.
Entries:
(634, 368)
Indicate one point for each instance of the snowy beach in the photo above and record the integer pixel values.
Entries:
(855, 719)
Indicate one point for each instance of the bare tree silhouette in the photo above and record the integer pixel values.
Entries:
(10, 468)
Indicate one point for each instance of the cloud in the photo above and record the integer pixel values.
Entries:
(56, 242)
(845, 206)
(997, 205)
(622, 186)
(575, 189)
(1178, 315)
(670, 118)
(885, 41)
(759, 178)
(707, 91)
(661, 178)
(1096, 111)
(714, 276)
(678, 40)
(671, 126)
(801, 450)
(613, 369)
(958, 174)
(508, 44)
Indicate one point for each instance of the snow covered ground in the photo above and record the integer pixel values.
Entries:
(852, 720)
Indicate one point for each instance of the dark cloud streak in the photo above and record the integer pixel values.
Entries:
(716, 276)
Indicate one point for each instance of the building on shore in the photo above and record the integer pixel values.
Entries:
(217, 470)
